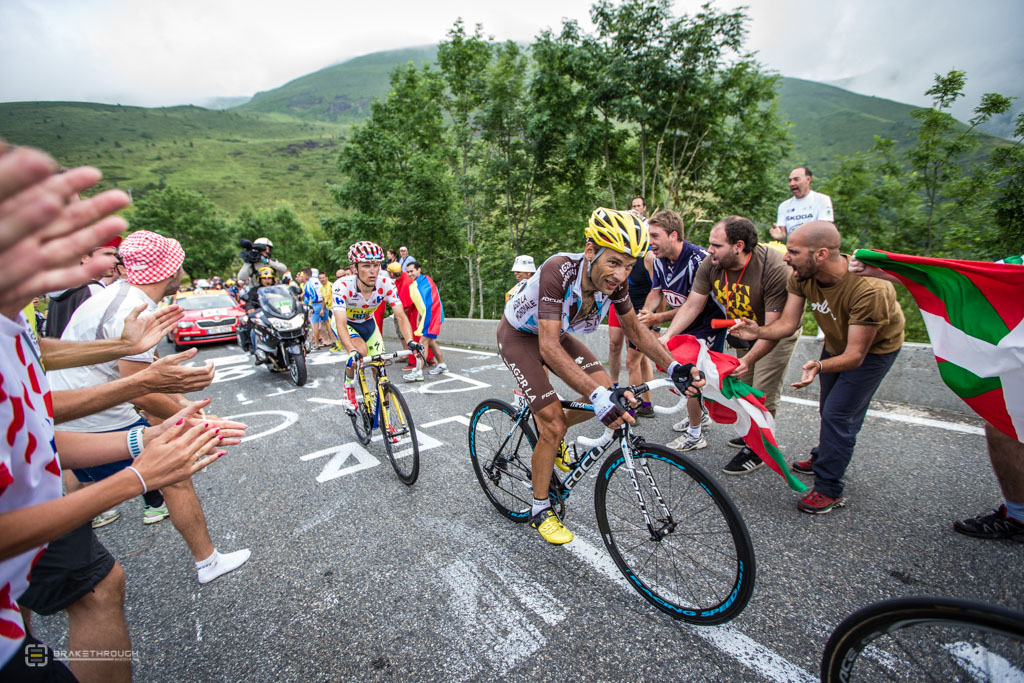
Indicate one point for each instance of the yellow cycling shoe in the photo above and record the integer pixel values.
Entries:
(562, 459)
(550, 527)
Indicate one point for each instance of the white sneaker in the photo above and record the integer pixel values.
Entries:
(688, 443)
(682, 425)
(440, 368)
(221, 564)
(414, 376)
(105, 518)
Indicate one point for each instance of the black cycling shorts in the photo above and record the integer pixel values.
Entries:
(72, 566)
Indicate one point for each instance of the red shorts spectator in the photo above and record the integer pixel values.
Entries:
(613, 320)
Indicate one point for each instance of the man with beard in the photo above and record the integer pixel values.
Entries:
(863, 326)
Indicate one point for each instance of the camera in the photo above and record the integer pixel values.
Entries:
(253, 253)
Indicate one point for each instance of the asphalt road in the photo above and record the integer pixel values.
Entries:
(355, 576)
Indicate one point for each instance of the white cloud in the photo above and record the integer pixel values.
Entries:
(159, 53)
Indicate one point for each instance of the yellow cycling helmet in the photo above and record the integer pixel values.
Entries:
(267, 271)
(621, 231)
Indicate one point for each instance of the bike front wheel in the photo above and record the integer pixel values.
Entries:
(926, 639)
(692, 557)
(399, 433)
(501, 451)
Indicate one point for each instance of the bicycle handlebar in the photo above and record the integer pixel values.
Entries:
(660, 383)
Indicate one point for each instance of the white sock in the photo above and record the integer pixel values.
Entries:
(219, 564)
(539, 506)
(694, 431)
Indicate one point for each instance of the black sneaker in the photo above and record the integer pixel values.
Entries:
(737, 442)
(994, 525)
(745, 462)
(645, 411)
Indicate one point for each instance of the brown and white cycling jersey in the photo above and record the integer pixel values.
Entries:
(555, 292)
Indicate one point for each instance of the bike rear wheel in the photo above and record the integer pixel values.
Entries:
(399, 434)
(926, 639)
(698, 565)
(501, 451)
(362, 423)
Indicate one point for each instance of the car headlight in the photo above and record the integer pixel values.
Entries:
(185, 324)
(285, 325)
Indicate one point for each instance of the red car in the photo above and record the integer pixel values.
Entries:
(210, 316)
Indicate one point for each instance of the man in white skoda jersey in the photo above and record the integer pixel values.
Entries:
(804, 206)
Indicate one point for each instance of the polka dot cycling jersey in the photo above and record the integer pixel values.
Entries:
(357, 309)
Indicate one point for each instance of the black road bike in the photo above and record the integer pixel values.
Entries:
(670, 528)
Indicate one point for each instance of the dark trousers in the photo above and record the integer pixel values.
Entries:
(843, 402)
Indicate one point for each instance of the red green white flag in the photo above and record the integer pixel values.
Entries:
(974, 312)
(730, 401)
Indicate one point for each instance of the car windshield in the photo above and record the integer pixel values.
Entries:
(199, 303)
(277, 298)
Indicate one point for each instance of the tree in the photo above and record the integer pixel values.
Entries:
(950, 195)
(463, 62)
(195, 222)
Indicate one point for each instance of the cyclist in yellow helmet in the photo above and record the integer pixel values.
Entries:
(572, 293)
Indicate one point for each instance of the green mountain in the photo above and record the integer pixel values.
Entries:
(829, 121)
(282, 145)
(342, 92)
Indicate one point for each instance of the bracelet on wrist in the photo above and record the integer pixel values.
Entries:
(142, 481)
(135, 444)
(820, 369)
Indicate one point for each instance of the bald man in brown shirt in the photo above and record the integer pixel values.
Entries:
(863, 326)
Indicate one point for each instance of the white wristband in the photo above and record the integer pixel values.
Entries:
(135, 442)
(141, 480)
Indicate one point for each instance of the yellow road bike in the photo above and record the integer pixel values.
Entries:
(382, 406)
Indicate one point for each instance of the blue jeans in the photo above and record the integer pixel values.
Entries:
(843, 402)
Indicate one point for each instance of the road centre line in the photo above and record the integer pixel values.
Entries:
(726, 638)
(909, 419)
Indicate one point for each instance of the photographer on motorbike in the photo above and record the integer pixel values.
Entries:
(256, 255)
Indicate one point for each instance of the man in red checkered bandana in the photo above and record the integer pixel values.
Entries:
(150, 258)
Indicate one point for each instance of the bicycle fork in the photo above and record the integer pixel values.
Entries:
(626, 445)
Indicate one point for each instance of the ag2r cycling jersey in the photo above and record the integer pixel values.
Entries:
(555, 292)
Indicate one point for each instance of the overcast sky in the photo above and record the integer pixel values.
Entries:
(149, 53)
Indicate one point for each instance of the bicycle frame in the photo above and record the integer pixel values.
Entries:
(626, 442)
(372, 402)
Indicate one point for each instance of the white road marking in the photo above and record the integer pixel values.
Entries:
(329, 401)
(486, 354)
(229, 360)
(909, 419)
(461, 419)
(242, 399)
(340, 454)
(504, 636)
(431, 387)
(426, 442)
(290, 418)
(233, 372)
(726, 638)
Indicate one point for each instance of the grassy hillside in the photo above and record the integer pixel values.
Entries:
(829, 121)
(342, 92)
(234, 158)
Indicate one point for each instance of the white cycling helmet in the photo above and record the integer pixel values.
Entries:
(524, 264)
(264, 240)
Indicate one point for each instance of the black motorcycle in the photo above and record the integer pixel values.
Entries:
(280, 325)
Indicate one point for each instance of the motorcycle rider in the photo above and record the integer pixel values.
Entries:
(252, 300)
(266, 247)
